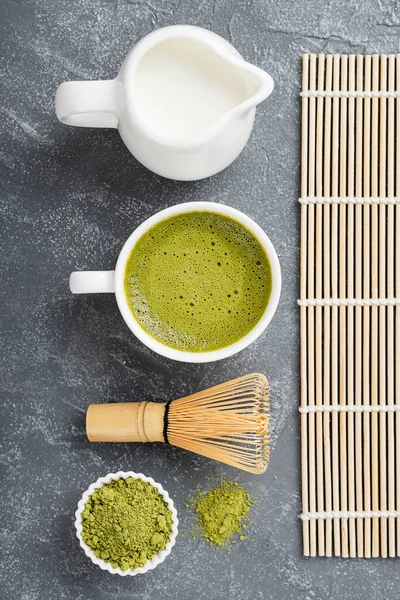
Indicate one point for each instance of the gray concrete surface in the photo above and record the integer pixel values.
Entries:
(69, 198)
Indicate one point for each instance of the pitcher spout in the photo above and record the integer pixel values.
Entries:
(258, 82)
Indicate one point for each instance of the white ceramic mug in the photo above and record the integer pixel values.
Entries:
(91, 282)
(160, 105)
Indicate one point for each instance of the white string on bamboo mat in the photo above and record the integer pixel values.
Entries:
(348, 200)
(347, 514)
(349, 302)
(353, 408)
(349, 94)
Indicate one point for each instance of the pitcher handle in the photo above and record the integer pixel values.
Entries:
(88, 103)
(92, 282)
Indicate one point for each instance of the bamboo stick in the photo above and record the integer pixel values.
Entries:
(397, 286)
(359, 310)
(303, 310)
(350, 310)
(318, 309)
(327, 309)
(374, 309)
(382, 309)
(334, 282)
(390, 311)
(343, 309)
(311, 292)
(366, 320)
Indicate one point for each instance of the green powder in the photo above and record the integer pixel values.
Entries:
(221, 512)
(126, 522)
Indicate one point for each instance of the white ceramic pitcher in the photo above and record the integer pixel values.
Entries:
(184, 102)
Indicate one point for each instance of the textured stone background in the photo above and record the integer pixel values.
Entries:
(69, 199)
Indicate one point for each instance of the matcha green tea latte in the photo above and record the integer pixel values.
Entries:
(198, 281)
(126, 522)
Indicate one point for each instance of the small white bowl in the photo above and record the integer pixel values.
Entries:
(157, 558)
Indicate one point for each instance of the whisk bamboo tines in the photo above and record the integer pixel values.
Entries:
(228, 423)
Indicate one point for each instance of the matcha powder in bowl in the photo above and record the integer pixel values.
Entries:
(126, 523)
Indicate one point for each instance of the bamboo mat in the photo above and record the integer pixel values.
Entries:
(349, 305)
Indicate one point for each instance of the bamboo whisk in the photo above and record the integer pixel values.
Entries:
(228, 423)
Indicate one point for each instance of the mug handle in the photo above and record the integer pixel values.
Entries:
(92, 282)
(88, 103)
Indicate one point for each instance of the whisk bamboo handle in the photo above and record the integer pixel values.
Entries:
(126, 422)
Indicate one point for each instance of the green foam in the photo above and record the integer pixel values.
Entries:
(198, 281)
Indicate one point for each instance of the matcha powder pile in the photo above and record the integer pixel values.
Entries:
(126, 522)
(221, 512)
